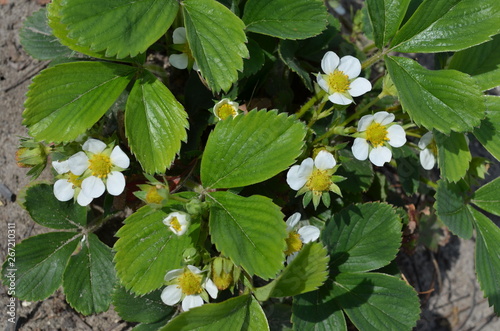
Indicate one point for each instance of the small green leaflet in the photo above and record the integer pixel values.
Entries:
(445, 100)
(487, 197)
(217, 40)
(155, 124)
(385, 17)
(451, 207)
(453, 155)
(488, 133)
(67, 99)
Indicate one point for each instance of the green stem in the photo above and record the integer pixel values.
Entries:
(177, 198)
(360, 112)
(310, 103)
(338, 130)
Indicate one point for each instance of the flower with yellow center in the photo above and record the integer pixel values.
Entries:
(188, 285)
(69, 185)
(177, 222)
(185, 59)
(298, 236)
(341, 79)
(376, 134)
(101, 167)
(428, 151)
(225, 108)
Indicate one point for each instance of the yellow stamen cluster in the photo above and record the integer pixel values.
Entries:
(225, 111)
(174, 223)
(293, 243)
(100, 165)
(190, 283)
(223, 280)
(75, 180)
(338, 82)
(319, 181)
(376, 134)
(152, 196)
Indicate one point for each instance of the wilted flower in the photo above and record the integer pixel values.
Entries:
(428, 151)
(225, 108)
(185, 59)
(298, 236)
(188, 285)
(341, 79)
(376, 133)
(177, 222)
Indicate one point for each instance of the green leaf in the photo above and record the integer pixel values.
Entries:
(487, 197)
(317, 311)
(488, 133)
(121, 28)
(217, 40)
(298, 19)
(256, 59)
(46, 210)
(90, 277)
(386, 17)
(408, 168)
(448, 25)
(482, 62)
(374, 301)
(451, 208)
(305, 273)
(250, 231)
(286, 50)
(148, 308)
(155, 124)
(39, 264)
(67, 99)
(445, 100)
(353, 237)
(37, 38)
(240, 313)
(358, 174)
(488, 258)
(453, 155)
(146, 250)
(250, 149)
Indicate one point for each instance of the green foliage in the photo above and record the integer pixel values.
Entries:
(240, 313)
(453, 155)
(487, 197)
(250, 231)
(155, 124)
(287, 50)
(386, 17)
(217, 41)
(67, 99)
(489, 131)
(250, 149)
(358, 174)
(37, 38)
(451, 207)
(448, 25)
(444, 100)
(299, 19)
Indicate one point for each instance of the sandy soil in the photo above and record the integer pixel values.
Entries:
(456, 302)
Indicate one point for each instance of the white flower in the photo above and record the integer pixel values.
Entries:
(341, 79)
(100, 167)
(181, 61)
(315, 175)
(428, 151)
(69, 185)
(298, 236)
(188, 285)
(177, 222)
(377, 132)
(225, 108)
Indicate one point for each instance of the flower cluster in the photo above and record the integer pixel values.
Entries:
(87, 174)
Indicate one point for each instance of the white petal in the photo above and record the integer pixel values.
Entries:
(350, 66)
(425, 140)
(195, 66)
(119, 158)
(359, 86)
(172, 274)
(383, 117)
(61, 167)
(179, 61)
(191, 301)
(94, 146)
(339, 99)
(291, 257)
(292, 221)
(193, 269)
(329, 62)
(396, 135)
(427, 159)
(380, 155)
(179, 35)
(297, 176)
(360, 149)
(115, 183)
(83, 199)
(63, 190)
(211, 288)
(171, 295)
(364, 122)
(78, 163)
(322, 82)
(308, 233)
(324, 160)
(93, 187)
